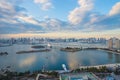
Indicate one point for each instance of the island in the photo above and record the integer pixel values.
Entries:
(70, 49)
(38, 46)
(5, 45)
(31, 51)
(3, 53)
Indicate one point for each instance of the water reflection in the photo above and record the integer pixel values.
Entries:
(54, 59)
(117, 58)
(27, 61)
(110, 56)
(73, 60)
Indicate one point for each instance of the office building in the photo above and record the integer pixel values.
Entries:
(117, 44)
(110, 43)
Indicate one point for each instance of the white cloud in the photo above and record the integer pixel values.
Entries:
(41, 1)
(115, 9)
(77, 15)
(46, 17)
(9, 14)
(8, 21)
(48, 24)
(52, 24)
(6, 5)
(45, 4)
(4, 8)
(14, 19)
(86, 5)
(28, 19)
(85, 18)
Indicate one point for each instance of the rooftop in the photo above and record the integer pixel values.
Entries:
(78, 76)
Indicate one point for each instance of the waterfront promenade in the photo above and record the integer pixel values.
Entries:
(106, 65)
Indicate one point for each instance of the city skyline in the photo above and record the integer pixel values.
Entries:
(51, 18)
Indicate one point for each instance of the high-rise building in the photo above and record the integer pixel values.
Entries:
(114, 43)
(117, 44)
(110, 43)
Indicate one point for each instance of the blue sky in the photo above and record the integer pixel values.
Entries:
(60, 16)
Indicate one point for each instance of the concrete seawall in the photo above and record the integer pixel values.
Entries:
(97, 66)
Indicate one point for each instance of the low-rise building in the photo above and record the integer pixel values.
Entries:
(78, 76)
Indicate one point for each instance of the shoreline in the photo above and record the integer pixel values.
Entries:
(106, 65)
(111, 52)
(62, 70)
(104, 49)
(67, 49)
(96, 66)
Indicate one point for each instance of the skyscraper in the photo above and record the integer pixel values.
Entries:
(117, 44)
(110, 43)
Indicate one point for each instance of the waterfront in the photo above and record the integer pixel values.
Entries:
(54, 59)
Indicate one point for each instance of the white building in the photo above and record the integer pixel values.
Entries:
(114, 43)
(110, 43)
(117, 44)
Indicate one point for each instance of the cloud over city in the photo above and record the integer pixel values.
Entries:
(15, 18)
(85, 17)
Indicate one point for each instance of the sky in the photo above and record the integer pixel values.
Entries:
(60, 18)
